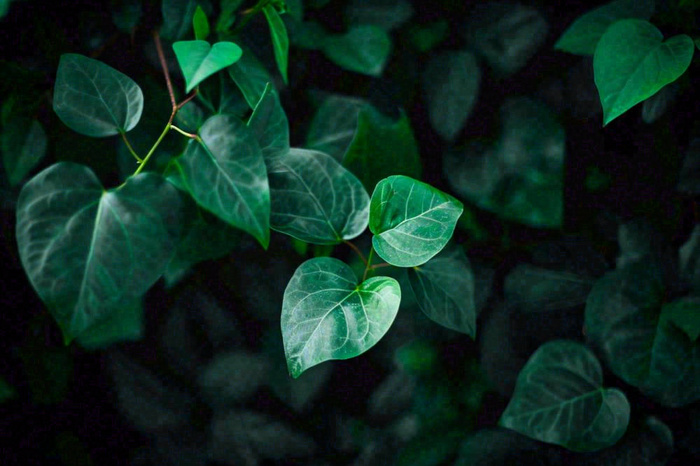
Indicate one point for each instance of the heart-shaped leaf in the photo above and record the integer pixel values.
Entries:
(411, 221)
(583, 35)
(225, 173)
(363, 49)
(632, 62)
(327, 315)
(444, 289)
(270, 125)
(94, 99)
(280, 41)
(315, 199)
(559, 398)
(88, 251)
(198, 59)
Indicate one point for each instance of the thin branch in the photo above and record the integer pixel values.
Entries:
(164, 65)
(379, 266)
(131, 149)
(357, 251)
(189, 97)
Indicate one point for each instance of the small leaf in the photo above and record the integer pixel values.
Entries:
(225, 173)
(334, 125)
(23, 145)
(411, 221)
(425, 37)
(89, 252)
(94, 99)
(632, 63)
(363, 49)
(559, 398)
(270, 125)
(280, 41)
(200, 24)
(250, 76)
(177, 18)
(581, 38)
(198, 59)
(315, 199)
(444, 289)
(327, 315)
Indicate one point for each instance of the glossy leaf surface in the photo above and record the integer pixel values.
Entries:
(327, 315)
(411, 221)
(198, 59)
(315, 199)
(559, 398)
(632, 62)
(363, 49)
(280, 41)
(444, 289)
(94, 99)
(270, 125)
(583, 35)
(225, 173)
(23, 145)
(88, 251)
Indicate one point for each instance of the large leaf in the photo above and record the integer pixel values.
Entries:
(23, 145)
(88, 251)
(632, 62)
(199, 60)
(559, 398)
(451, 84)
(645, 342)
(583, 35)
(250, 76)
(334, 125)
(270, 125)
(225, 173)
(94, 99)
(363, 49)
(411, 221)
(327, 315)
(315, 199)
(280, 41)
(444, 289)
(382, 147)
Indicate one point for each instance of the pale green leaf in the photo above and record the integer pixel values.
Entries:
(363, 49)
(280, 41)
(198, 59)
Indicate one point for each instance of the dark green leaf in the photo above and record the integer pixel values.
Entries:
(427, 36)
(221, 95)
(689, 177)
(386, 14)
(499, 446)
(689, 259)
(270, 125)
(411, 221)
(559, 398)
(308, 35)
(684, 314)
(94, 99)
(200, 24)
(225, 173)
(655, 106)
(232, 377)
(327, 314)
(280, 41)
(444, 289)
(6, 390)
(334, 125)
(632, 62)
(382, 147)
(88, 251)
(125, 323)
(198, 59)
(451, 84)
(23, 145)
(250, 76)
(126, 15)
(4, 7)
(315, 199)
(363, 49)
(177, 18)
(535, 289)
(583, 35)
(227, 15)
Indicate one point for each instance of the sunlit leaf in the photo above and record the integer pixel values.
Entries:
(250, 76)
(94, 99)
(411, 221)
(363, 49)
(200, 24)
(327, 314)
(632, 62)
(225, 173)
(559, 398)
(88, 251)
(315, 199)
(280, 41)
(270, 125)
(583, 35)
(198, 59)
(334, 125)
(23, 146)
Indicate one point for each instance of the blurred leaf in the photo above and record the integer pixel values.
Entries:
(177, 18)
(232, 377)
(689, 260)
(280, 41)
(689, 177)
(393, 396)
(498, 446)
(309, 35)
(270, 125)
(250, 76)
(451, 85)
(583, 35)
(632, 63)
(4, 7)
(227, 15)
(426, 36)
(200, 24)
(126, 15)
(49, 372)
(432, 449)
(559, 398)
(299, 393)
(650, 445)
(123, 324)
(684, 314)
(334, 125)
(6, 391)
(363, 49)
(535, 289)
(655, 106)
(386, 14)
(23, 145)
(198, 59)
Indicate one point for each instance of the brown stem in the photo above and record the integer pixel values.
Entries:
(189, 97)
(357, 251)
(164, 65)
(378, 266)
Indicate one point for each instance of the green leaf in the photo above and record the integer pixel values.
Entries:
(269, 124)
(536, 289)
(177, 18)
(559, 398)
(327, 315)
(126, 15)
(363, 49)
(444, 289)
(684, 314)
(94, 99)
(200, 24)
(411, 221)
(23, 145)
(632, 62)
(6, 390)
(451, 85)
(642, 341)
(198, 59)
(334, 125)
(125, 323)
(382, 147)
(225, 173)
(280, 41)
(227, 15)
(424, 37)
(221, 95)
(89, 252)
(315, 199)
(583, 35)
(250, 76)
(4, 8)
(386, 14)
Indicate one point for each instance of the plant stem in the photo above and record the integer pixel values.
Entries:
(153, 149)
(368, 264)
(164, 65)
(357, 251)
(131, 149)
(184, 133)
(379, 266)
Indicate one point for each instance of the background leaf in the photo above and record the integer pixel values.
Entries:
(363, 49)
(200, 24)
(280, 41)
(386, 14)
(250, 76)
(334, 125)
(199, 60)
(177, 18)
(23, 145)
(270, 125)
(125, 323)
